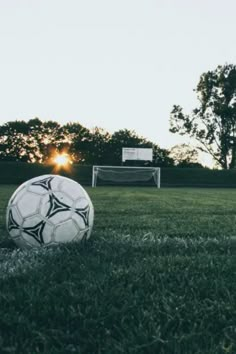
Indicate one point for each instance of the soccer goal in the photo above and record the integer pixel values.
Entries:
(126, 175)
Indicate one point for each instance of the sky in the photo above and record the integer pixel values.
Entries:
(115, 64)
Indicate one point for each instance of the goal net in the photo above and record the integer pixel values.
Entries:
(124, 175)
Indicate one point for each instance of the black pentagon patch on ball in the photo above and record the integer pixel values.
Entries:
(36, 231)
(84, 213)
(56, 206)
(12, 224)
(44, 183)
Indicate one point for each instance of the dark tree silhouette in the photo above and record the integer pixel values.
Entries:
(37, 141)
(213, 123)
(30, 141)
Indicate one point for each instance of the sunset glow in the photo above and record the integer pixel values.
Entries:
(62, 160)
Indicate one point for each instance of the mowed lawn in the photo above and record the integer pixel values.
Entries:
(157, 276)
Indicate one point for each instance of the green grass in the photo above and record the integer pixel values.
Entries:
(157, 276)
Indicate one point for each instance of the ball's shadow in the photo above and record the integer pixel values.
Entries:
(7, 243)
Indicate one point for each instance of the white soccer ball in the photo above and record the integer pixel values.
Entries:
(49, 210)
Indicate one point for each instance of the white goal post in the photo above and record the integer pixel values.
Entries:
(126, 175)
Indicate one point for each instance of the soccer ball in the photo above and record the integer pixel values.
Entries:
(48, 210)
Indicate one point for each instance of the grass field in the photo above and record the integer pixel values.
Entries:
(157, 276)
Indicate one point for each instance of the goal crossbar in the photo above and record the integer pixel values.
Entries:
(125, 174)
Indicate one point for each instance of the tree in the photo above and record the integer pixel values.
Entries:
(161, 157)
(30, 141)
(91, 146)
(213, 123)
(184, 156)
(14, 142)
(78, 139)
(46, 138)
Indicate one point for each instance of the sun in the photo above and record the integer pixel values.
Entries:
(62, 160)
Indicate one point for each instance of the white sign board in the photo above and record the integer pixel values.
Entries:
(144, 154)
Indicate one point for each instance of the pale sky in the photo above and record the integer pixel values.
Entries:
(114, 64)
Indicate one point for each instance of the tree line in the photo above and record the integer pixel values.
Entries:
(36, 141)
